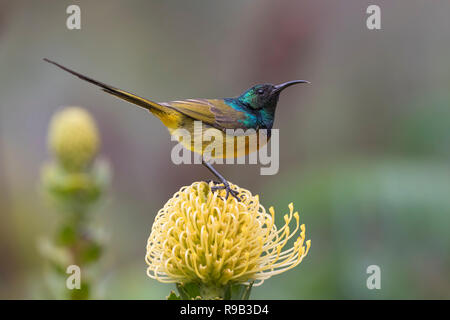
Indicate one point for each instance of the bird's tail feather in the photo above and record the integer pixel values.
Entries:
(130, 97)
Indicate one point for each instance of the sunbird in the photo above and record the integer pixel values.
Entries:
(253, 109)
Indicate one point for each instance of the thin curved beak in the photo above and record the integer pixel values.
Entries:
(283, 86)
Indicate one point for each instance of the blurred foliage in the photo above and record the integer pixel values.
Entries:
(391, 213)
(193, 291)
(426, 130)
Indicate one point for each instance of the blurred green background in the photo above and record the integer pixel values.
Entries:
(364, 150)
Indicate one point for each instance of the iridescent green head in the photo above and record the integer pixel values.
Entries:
(265, 96)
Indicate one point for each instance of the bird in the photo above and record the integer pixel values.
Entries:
(228, 119)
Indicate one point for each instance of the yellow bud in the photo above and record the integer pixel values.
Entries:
(233, 242)
(73, 138)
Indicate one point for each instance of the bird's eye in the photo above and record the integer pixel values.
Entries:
(260, 91)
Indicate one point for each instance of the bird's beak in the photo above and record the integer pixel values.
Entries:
(283, 86)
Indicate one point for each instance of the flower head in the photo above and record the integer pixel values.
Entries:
(73, 138)
(198, 236)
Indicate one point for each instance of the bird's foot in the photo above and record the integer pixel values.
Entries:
(213, 181)
(226, 186)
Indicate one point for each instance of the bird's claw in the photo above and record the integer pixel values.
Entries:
(226, 186)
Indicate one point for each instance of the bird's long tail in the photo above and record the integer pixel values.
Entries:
(152, 106)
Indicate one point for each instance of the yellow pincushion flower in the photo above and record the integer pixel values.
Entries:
(73, 138)
(200, 237)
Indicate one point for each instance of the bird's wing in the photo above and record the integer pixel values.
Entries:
(214, 112)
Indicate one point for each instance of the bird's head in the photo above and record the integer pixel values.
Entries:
(265, 96)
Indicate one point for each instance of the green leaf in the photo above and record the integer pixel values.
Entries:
(81, 294)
